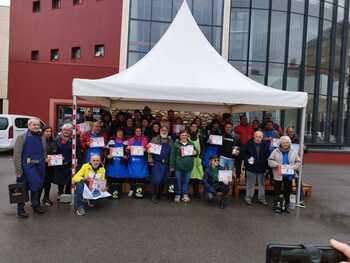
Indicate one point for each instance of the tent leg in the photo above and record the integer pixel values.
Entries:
(301, 152)
(74, 142)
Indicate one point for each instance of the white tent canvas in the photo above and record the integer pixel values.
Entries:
(184, 70)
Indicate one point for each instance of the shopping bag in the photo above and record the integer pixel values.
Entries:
(18, 193)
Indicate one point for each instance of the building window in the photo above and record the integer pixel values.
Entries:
(35, 54)
(36, 6)
(99, 50)
(77, 2)
(56, 4)
(54, 55)
(76, 53)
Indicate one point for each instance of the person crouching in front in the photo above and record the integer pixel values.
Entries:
(213, 188)
(88, 174)
(284, 161)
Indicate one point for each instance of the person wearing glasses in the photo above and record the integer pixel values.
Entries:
(213, 188)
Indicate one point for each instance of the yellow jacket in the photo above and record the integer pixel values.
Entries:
(86, 171)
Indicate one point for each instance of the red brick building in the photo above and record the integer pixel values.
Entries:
(52, 42)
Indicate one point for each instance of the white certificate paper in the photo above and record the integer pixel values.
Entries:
(117, 151)
(155, 148)
(83, 127)
(287, 170)
(96, 142)
(275, 143)
(225, 176)
(55, 160)
(187, 150)
(215, 139)
(137, 150)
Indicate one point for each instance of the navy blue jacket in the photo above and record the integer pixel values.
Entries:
(260, 164)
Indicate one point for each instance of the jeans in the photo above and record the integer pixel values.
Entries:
(182, 182)
(34, 197)
(78, 195)
(251, 180)
(226, 163)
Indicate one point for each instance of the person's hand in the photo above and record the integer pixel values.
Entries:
(341, 247)
(172, 169)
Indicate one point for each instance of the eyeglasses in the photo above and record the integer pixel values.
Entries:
(215, 160)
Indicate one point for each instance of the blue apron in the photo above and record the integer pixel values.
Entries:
(64, 172)
(94, 151)
(137, 166)
(160, 170)
(116, 167)
(209, 151)
(33, 162)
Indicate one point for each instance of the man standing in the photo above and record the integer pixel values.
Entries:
(227, 153)
(29, 159)
(255, 158)
(245, 133)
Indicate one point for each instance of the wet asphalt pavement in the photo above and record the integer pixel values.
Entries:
(136, 231)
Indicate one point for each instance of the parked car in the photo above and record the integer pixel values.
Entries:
(10, 127)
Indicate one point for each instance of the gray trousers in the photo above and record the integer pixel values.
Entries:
(250, 181)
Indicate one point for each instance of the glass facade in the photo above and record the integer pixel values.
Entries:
(295, 45)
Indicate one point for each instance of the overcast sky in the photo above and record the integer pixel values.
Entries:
(4, 2)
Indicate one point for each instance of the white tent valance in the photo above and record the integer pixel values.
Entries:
(184, 71)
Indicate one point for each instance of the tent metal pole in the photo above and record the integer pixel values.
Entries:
(301, 152)
(74, 139)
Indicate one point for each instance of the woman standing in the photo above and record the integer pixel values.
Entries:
(160, 162)
(284, 161)
(137, 165)
(197, 171)
(63, 177)
(182, 160)
(116, 170)
(51, 149)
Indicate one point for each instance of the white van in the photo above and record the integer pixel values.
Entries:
(10, 127)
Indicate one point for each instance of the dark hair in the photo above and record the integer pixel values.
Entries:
(183, 131)
(226, 115)
(228, 123)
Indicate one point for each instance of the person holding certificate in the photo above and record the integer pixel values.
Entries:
(213, 143)
(93, 142)
(137, 165)
(159, 152)
(181, 161)
(89, 174)
(212, 185)
(284, 161)
(116, 158)
(51, 149)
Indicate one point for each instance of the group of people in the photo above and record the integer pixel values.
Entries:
(139, 148)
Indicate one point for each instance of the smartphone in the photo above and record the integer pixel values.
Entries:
(298, 254)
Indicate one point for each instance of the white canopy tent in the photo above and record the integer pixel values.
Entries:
(184, 72)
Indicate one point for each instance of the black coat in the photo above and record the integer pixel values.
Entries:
(260, 164)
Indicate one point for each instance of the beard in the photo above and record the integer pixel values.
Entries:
(164, 135)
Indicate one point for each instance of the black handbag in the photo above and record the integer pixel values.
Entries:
(18, 193)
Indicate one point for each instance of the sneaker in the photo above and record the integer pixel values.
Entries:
(177, 199)
(131, 193)
(302, 205)
(47, 202)
(80, 211)
(248, 201)
(186, 199)
(263, 202)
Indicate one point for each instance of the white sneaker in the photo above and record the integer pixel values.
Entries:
(177, 199)
(186, 199)
(131, 193)
(80, 211)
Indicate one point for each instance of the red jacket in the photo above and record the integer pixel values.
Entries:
(85, 138)
(245, 133)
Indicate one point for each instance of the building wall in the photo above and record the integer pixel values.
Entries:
(32, 84)
(4, 49)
